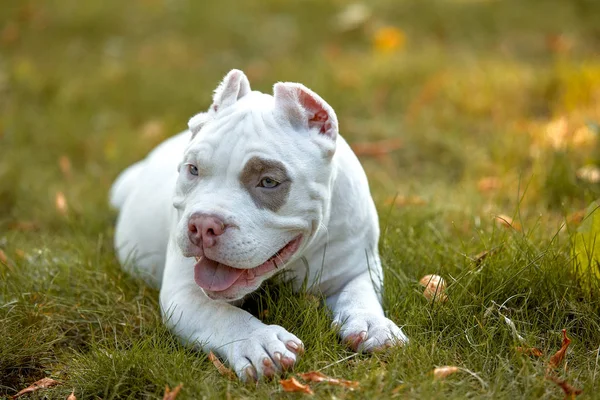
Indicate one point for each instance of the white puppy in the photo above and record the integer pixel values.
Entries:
(258, 185)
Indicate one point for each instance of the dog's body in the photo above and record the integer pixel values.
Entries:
(265, 184)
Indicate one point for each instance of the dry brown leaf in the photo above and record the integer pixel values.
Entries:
(292, 385)
(60, 202)
(172, 394)
(488, 184)
(24, 226)
(435, 287)
(530, 351)
(507, 222)
(65, 166)
(3, 258)
(570, 391)
(377, 149)
(223, 370)
(72, 396)
(403, 201)
(43, 383)
(576, 218)
(443, 372)
(316, 376)
(559, 356)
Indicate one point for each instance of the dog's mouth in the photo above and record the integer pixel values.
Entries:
(216, 277)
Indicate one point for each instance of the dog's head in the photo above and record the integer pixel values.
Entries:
(254, 183)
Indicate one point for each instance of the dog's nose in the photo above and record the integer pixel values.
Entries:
(203, 229)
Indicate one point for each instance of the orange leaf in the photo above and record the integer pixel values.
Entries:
(43, 383)
(435, 286)
(507, 222)
(171, 394)
(61, 203)
(223, 370)
(443, 372)
(3, 259)
(559, 356)
(316, 376)
(530, 351)
(65, 166)
(388, 39)
(377, 149)
(488, 184)
(292, 385)
(72, 396)
(569, 390)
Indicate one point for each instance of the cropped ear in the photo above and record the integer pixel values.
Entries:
(305, 109)
(234, 86)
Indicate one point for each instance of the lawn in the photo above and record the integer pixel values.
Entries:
(493, 107)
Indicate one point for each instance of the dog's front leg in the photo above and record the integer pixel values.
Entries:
(358, 315)
(250, 347)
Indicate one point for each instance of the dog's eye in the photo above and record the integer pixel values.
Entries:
(193, 170)
(268, 183)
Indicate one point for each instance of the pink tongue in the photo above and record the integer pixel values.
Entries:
(211, 275)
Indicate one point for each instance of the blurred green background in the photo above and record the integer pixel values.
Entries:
(460, 110)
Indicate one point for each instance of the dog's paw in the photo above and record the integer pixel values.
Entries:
(364, 332)
(269, 351)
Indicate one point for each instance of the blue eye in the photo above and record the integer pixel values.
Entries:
(268, 183)
(192, 169)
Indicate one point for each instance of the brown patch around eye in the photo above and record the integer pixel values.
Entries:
(270, 198)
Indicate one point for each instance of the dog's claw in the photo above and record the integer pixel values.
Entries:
(295, 347)
(354, 341)
(251, 374)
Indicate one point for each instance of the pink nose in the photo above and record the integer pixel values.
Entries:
(203, 229)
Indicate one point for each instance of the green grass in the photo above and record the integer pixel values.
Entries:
(472, 94)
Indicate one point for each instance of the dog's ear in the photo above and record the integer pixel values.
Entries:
(234, 86)
(305, 109)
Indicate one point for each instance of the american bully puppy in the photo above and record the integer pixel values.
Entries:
(259, 184)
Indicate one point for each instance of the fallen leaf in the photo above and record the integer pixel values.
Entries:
(577, 217)
(443, 372)
(65, 166)
(589, 173)
(223, 370)
(507, 222)
(479, 257)
(570, 391)
(24, 226)
(403, 201)
(171, 394)
(72, 396)
(292, 385)
(530, 351)
(377, 149)
(43, 383)
(559, 356)
(558, 43)
(488, 184)
(435, 287)
(316, 376)
(10, 34)
(3, 258)
(60, 202)
(388, 39)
